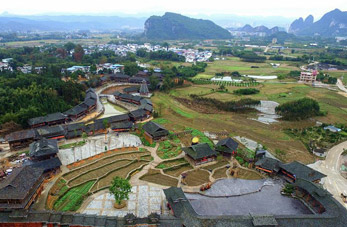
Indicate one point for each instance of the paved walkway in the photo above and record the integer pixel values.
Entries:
(96, 145)
(334, 182)
(143, 200)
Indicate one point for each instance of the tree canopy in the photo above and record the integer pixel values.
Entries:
(299, 109)
(120, 188)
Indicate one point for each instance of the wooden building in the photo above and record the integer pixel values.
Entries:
(124, 126)
(50, 119)
(43, 149)
(120, 77)
(55, 132)
(154, 131)
(268, 165)
(292, 171)
(199, 154)
(21, 139)
(21, 188)
(138, 115)
(227, 147)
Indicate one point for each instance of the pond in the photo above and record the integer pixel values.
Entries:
(111, 110)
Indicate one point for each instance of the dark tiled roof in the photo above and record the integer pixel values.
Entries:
(77, 109)
(90, 95)
(21, 135)
(90, 102)
(155, 129)
(43, 147)
(146, 101)
(146, 107)
(227, 145)
(199, 151)
(122, 125)
(121, 76)
(48, 118)
(19, 183)
(135, 79)
(269, 164)
(117, 93)
(51, 131)
(46, 165)
(138, 113)
(75, 126)
(144, 88)
(302, 171)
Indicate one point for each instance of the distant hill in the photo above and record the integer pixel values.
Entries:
(333, 23)
(259, 29)
(174, 26)
(68, 23)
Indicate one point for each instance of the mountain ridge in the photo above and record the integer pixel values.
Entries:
(176, 26)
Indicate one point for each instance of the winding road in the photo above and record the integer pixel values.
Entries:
(334, 182)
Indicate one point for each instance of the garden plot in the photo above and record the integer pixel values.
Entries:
(216, 165)
(121, 172)
(98, 163)
(154, 176)
(96, 173)
(220, 173)
(168, 164)
(169, 149)
(178, 170)
(197, 177)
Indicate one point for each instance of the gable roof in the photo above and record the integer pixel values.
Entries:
(21, 135)
(46, 165)
(146, 101)
(43, 147)
(269, 164)
(48, 118)
(155, 129)
(229, 145)
(302, 171)
(199, 151)
(77, 109)
(146, 107)
(19, 183)
(49, 131)
(89, 102)
(122, 125)
(75, 126)
(138, 113)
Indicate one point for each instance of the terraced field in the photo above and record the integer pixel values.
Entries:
(123, 172)
(220, 173)
(106, 160)
(197, 177)
(154, 176)
(177, 171)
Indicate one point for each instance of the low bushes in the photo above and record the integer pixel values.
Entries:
(246, 91)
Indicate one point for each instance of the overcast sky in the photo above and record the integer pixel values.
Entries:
(291, 8)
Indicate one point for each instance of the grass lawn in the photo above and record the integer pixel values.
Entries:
(70, 145)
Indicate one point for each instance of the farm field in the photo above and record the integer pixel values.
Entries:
(73, 187)
(220, 173)
(246, 174)
(244, 68)
(167, 164)
(154, 176)
(197, 177)
(176, 172)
